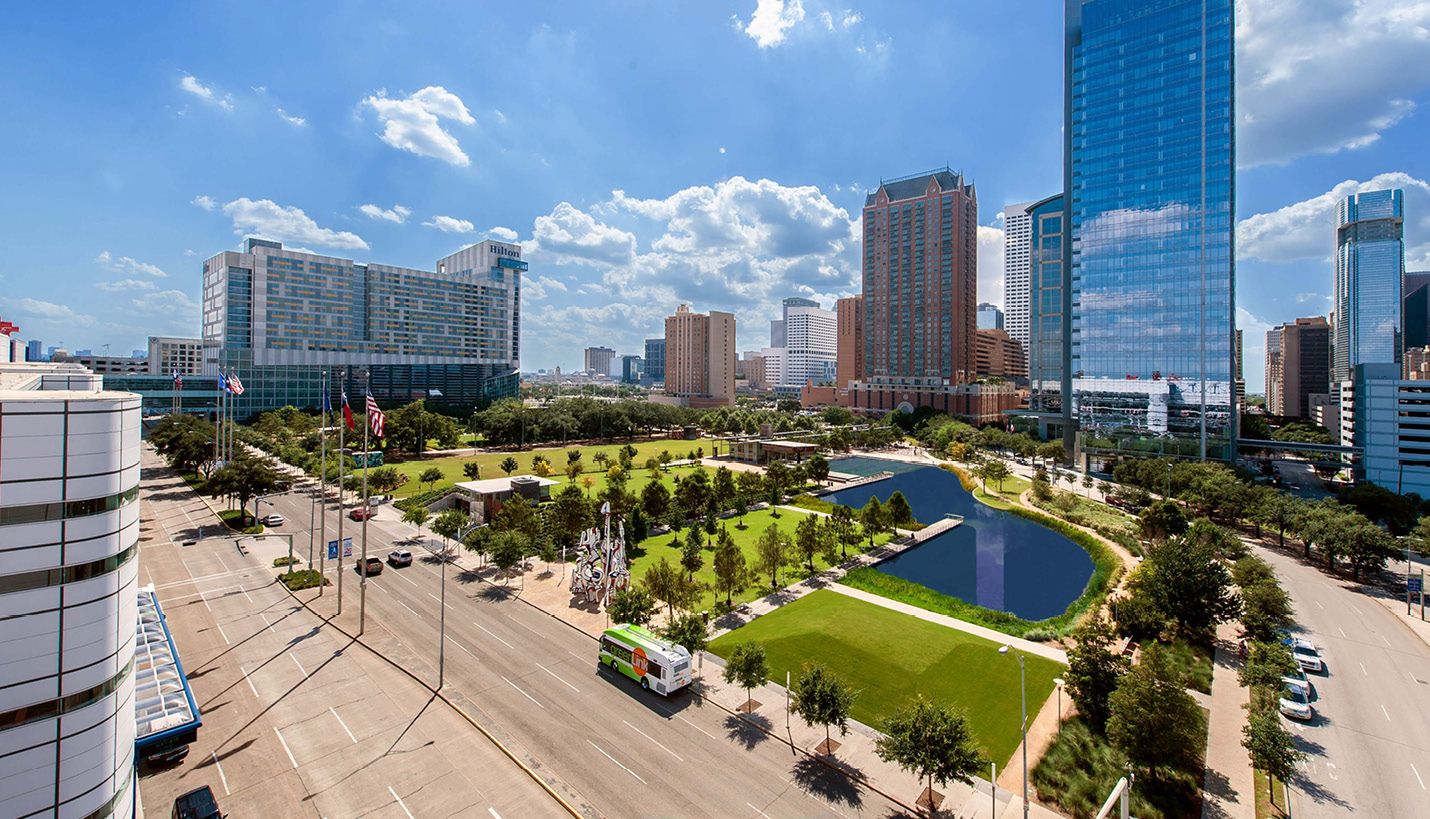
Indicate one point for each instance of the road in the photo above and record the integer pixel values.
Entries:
(1369, 746)
(1299, 473)
(628, 752)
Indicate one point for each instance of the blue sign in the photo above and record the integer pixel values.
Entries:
(1412, 584)
(333, 548)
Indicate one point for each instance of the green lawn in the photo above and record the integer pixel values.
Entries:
(652, 549)
(889, 656)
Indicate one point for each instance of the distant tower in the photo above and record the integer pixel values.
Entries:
(1370, 277)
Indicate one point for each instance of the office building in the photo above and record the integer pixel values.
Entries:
(34, 351)
(168, 355)
(599, 359)
(631, 369)
(920, 278)
(15, 350)
(1017, 272)
(1387, 418)
(999, 355)
(1370, 275)
(1416, 309)
(69, 534)
(989, 317)
(775, 360)
(779, 327)
(811, 345)
(1047, 366)
(1148, 160)
(1302, 366)
(700, 358)
(751, 367)
(282, 319)
(655, 359)
(106, 364)
(849, 340)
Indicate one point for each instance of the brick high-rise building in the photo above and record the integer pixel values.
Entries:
(700, 357)
(1299, 367)
(920, 279)
(849, 340)
(1000, 356)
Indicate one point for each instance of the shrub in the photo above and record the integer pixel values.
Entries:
(305, 579)
(285, 560)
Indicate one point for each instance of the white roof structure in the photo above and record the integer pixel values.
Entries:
(492, 486)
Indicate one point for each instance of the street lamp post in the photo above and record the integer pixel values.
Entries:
(1059, 682)
(1023, 674)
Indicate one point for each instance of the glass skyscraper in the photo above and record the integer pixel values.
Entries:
(1149, 154)
(1045, 298)
(1370, 277)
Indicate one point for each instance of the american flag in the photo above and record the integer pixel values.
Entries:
(178, 380)
(234, 385)
(374, 416)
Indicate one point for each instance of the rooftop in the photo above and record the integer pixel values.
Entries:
(493, 485)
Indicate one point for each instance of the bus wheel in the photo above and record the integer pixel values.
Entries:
(615, 666)
(645, 683)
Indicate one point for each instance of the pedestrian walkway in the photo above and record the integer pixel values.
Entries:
(1227, 791)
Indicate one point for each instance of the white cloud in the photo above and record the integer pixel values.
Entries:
(205, 202)
(297, 122)
(448, 224)
(772, 19)
(267, 219)
(126, 285)
(1306, 229)
(1302, 298)
(127, 265)
(49, 313)
(503, 234)
(500, 117)
(397, 214)
(1328, 76)
(206, 93)
(191, 253)
(413, 124)
(572, 235)
(176, 306)
(991, 246)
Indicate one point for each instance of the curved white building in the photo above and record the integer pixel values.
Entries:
(69, 532)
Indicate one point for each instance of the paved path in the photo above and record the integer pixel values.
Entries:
(1227, 788)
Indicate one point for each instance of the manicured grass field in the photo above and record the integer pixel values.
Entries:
(890, 656)
(654, 548)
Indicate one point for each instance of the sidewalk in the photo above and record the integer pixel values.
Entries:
(1227, 791)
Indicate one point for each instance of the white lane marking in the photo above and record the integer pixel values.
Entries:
(1341, 630)
(524, 694)
(459, 645)
(224, 779)
(563, 682)
(249, 681)
(658, 745)
(1318, 602)
(1382, 639)
(622, 767)
(300, 665)
(1353, 608)
(815, 798)
(380, 588)
(404, 577)
(265, 621)
(757, 810)
(686, 721)
(344, 724)
(1362, 669)
(494, 637)
(284, 743)
(409, 608)
(1330, 769)
(197, 579)
(438, 599)
(221, 563)
(206, 602)
(221, 634)
(1386, 713)
(400, 803)
(493, 812)
(245, 593)
(1417, 776)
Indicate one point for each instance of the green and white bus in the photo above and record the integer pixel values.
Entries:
(657, 664)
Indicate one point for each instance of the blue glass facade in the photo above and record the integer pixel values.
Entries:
(1045, 305)
(1149, 157)
(1370, 277)
(655, 358)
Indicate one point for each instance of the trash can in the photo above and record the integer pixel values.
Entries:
(705, 617)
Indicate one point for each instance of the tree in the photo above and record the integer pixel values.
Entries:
(1272, 748)
(731, 572)
(472, 470)
(777, 479)
(1278, 511)
(1093, 671)
(518, 515)
(448, 524)
(687, 630)
(1163, 520)
(1052, 451)
(840, 525)
(993, 471)
(541, 469)
(665, 584)
(430, 476)
(772, 553)
(747, 667)
(1152, 719)
(573, 469)
(690, 558)
(245, 478)
(818, 466)
(808, 540)
(632, 605)
(898, 512)
(655, 500)
(933, 742)
(509, 465)
(1185, 581)
(569, 515)
(1042, 490)
(821, 697)
(507, 550)
(873, 518)
(417, 515)
(384, 479)
(1087, 482)
(722, 489)
(750, 484)
(1265, 606)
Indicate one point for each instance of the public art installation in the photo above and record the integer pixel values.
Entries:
(600, 566)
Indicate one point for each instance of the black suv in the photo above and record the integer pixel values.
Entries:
(198, 803)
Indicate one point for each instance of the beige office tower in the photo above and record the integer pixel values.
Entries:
(700, 358)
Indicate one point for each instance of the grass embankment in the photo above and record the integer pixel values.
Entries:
(234, 518)
(1079, 769)
(1264, 808)
(889, 657)
(652, 549)
(306, 579)
(1192, 660)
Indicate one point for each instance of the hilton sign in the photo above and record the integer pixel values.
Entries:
(498, 250)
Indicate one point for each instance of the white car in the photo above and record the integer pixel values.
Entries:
(1297, 682)
(1295, 704)
(274, 519)
(1306, 655)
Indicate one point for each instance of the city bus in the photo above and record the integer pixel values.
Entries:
(657, 664)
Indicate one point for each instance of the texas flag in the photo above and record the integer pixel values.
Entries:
(348, 412)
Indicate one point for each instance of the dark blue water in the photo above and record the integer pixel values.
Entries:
(995, 560)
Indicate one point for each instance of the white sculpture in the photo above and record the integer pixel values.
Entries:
(600, 567)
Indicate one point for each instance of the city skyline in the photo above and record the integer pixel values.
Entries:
(449, 156)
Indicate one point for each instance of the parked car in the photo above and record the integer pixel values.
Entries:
(198, 803)
(1295, 704)
(359, 513)
(399, 557)
(1299, 682)
(274, 519)
(373, 566)
(1306, 654)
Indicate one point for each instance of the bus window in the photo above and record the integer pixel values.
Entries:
(654, 668)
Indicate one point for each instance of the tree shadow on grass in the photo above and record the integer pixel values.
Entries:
(837, 784)
(748, 729)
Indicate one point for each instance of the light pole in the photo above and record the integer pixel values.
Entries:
(1023, 674)
(1060, 682)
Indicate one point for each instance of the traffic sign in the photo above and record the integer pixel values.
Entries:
(333, 548)
(1413, 584)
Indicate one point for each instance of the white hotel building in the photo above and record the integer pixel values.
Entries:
(69, 532)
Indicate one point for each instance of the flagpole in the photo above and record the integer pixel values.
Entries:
(366, 507)
(218, 418)
(342, 427)
(323, 493)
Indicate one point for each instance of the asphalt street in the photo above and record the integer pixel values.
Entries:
(628, 752)
(1369, 744)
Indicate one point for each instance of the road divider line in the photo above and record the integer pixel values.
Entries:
(563, 682)
(226, 569)
(1382, 639)
(400, 803)
(265, 621)
(221, 634)
(524, 694)
(300, 665)
(409, 608)
(408, 579)
(224, 779)
(1417, 776)
(284, 743)
(494, 637)
(757, 810)
(1318, 602)
(459, 645)
(1386, 713)
(622, 767)
(1341, 630)
(688, 722)
(652, 739)
(493, 812)
(249, 681)
(245, 593)
(438, 599)
(1362, 669)
(344, 724)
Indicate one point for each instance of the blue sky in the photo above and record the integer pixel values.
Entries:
(644, 153)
